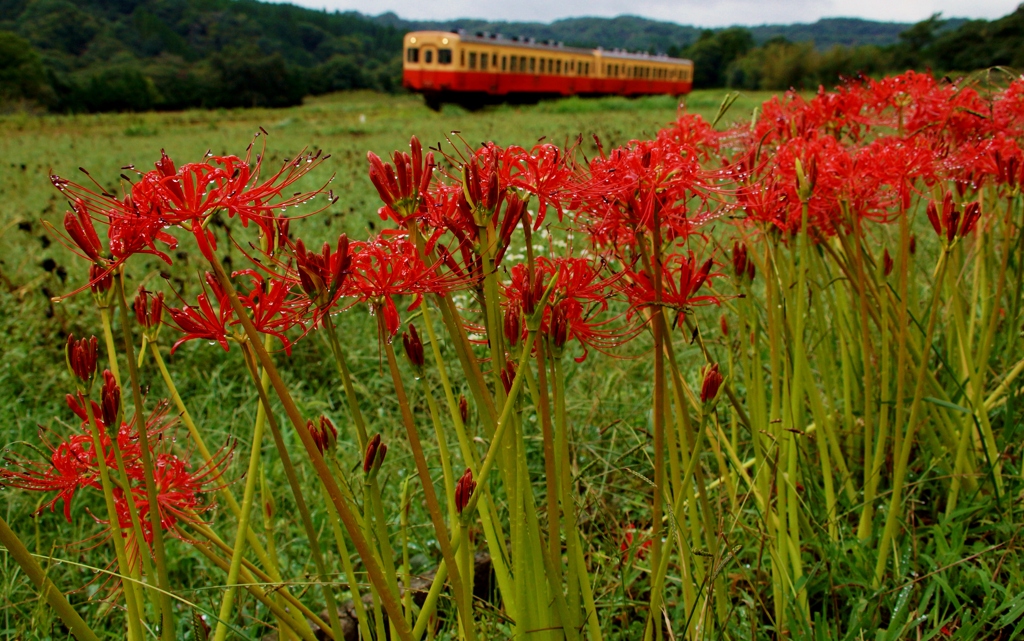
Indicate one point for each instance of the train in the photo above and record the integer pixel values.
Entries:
(487, 68)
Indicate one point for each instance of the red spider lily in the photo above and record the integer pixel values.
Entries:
(82, 232)
(322, 275)
(403, 187)
(100, 280)
(628, 188)
(464, 489)
(742, 265)
(272, 308)
(202, 321)
(545, 171)
(579, 299)
(110, 396)
(72, 464)
(682, 280)
(385, 268)
(81, 357)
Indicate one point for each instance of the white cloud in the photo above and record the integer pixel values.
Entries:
(709, 13)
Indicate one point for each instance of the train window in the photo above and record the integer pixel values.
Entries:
(428, 56)
(558, 66)
(522, 64)
(504, 62)
(462, 59)
(533, 65)
(512, 65)
(444, 56)
(472, 60)
(412, 55)
(494, 61)
(483, 61)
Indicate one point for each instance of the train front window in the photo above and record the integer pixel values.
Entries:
(428, 56)
(412, 54)
(444, 56)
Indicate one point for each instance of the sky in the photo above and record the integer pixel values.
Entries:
(702, 13)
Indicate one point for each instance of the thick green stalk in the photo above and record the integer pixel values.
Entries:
(44, 586)
(346, 379)
(248, 497)
(433, 507)
(108, 339)
(391, 602)
(293, 482)
(134, 607)
(167, 632)
(900, 472)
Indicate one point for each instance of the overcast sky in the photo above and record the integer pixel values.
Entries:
(704, 13)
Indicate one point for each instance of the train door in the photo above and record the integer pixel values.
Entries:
(428, 58)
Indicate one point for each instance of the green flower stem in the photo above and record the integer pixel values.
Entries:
(380, 524)
(252, 474)
(280, 613)
(267, 505)
(376, 576)
(371, 536)
(346, 564)
(539, 395)
(902, 455)
(225, 492)
(488, 464)
(442, 446)
(564, 485)
(493, 532)
(293, 482)
(131, 593)
(167, 631)
(44, 586)
(250, 573)
(108, 339)
(133, 511)
(404, 507)
(346, 379)
(433, 507)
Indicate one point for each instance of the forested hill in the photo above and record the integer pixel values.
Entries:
(641, 34)
(102, 55)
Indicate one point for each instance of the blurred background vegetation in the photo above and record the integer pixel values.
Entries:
(140, 55)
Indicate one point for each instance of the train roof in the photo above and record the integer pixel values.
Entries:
(482, 37)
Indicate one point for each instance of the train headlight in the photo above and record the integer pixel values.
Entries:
(444, 41)
(412, 40)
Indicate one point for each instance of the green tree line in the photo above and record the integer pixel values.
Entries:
(729, 58)
(133, 55)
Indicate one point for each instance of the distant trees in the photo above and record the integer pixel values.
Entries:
(131, 55)
(728, 58)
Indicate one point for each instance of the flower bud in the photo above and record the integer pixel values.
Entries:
(81, 357)
(887, 263)
(972, 212)
(725, 326)
(558, 328)
(79, 227)
(375, 453)
(111, 399)
(712, 382)
(149, 308)
(100, 279)
(513, 325)
(912, 248)
(508, 375)
(464, 490)
(463, 409)
(324, 434)
(413, 347)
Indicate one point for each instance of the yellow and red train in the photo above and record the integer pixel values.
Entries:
(484, 68)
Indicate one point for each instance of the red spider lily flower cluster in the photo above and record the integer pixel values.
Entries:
(634, 541)
(73, 463)
(81, 357)
(324, 434)
(374, 456)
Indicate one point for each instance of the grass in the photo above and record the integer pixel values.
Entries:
(966, 578)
